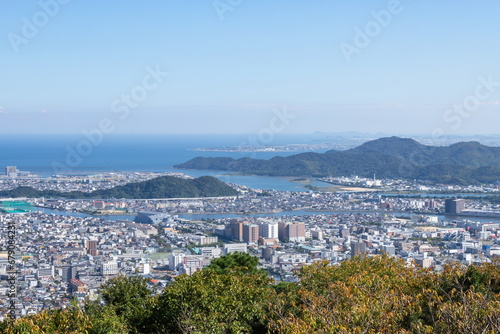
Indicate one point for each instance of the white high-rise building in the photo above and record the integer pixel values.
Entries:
(175, 260)
(269, 230)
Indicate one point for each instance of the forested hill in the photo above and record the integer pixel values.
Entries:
(160, 187)
(394, 157)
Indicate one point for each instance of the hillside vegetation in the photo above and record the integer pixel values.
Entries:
(394, 157)
(160, 187)
(363, 295)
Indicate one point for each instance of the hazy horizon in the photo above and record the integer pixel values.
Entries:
(398, 67)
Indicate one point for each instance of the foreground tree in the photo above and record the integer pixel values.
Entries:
(236, 262)
(385, 295)
(129, 298)
(212, 302)
(69, 321)
(362, 295)
(466, 299)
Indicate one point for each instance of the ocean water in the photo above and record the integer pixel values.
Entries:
(52, 154)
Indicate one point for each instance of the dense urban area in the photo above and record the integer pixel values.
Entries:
(66, 249)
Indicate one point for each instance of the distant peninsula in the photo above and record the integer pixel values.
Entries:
(275, 148)
(391, 157)
(160, 187)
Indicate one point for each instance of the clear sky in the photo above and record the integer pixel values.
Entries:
(233, 66)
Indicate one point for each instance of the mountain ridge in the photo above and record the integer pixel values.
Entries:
(388, 157)
(160, 187)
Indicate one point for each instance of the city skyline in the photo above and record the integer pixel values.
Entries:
(234, 66)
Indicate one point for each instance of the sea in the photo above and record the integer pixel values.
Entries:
(47, 155)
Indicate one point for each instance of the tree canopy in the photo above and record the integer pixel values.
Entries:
(378, 294)
(236, 261)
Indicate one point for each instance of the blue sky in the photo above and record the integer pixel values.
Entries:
(233, 64)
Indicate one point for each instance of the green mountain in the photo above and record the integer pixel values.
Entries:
(160, 187)
(394, 157)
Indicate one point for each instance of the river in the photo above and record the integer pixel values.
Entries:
(277, 214)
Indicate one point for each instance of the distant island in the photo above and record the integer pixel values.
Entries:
(160, 187)
(392, 157)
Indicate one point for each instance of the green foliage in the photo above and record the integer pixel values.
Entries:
(462, 163)
(211, 302)
(378, 294)
(484, 278)
(236, 262)
(105, 320)
(125, 291)
(69, 321)
(160, 187)
(131, 299)
(286, 287)
(384, 295)
(373, 295)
